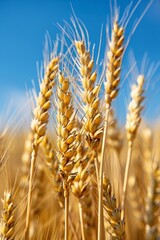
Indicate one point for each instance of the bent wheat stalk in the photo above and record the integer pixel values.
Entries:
(39, 124)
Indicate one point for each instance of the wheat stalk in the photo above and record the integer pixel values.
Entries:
(7, 222)
(66, 140)
(115, 55)
(39, 124)
(132, 124)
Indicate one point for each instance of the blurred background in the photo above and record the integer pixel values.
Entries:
(23, 25)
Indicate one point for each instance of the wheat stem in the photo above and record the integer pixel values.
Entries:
(81, 220)
(32, 167)
(129, 155)
(73, 228)
(100, 202)
(66, 217)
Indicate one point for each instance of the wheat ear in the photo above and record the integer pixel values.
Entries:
(39, 124)
(132, 124)
(66, 140)
(115, 55)
(93, 118)
(113, 212)
(7, 220)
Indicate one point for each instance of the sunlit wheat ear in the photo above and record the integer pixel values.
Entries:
(152, 205)
(113, 212)
(51, 163)
(93, 118)
(39, 123)
(7, 221)
(114, 61)
(132, 124)
(66, 140)
(134, 109)
(115, 55)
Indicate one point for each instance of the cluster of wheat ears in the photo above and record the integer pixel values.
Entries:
(82, 177)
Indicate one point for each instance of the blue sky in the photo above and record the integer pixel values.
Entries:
(23, 25)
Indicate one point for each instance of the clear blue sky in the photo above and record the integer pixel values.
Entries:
(23, 25)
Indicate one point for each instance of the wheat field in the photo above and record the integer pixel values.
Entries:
(73, 171)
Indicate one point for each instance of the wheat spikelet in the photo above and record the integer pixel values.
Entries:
(52, 166)
(113, 212)
(7, 220)
(39, 123)
(152, 205)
